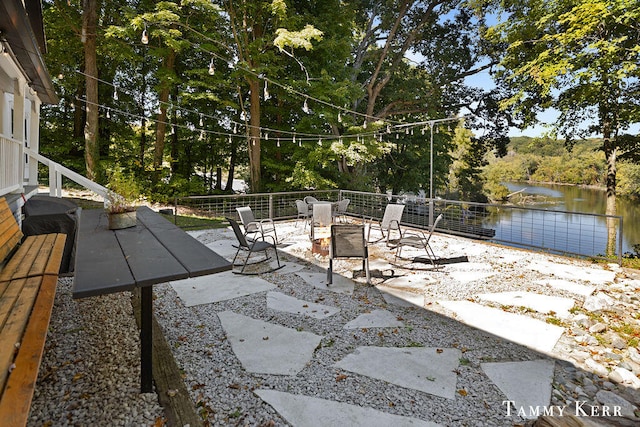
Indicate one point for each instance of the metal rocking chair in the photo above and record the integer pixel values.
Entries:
(390, 221)
(255, 227)
(253, 247)
(418, 239)
(347, 241)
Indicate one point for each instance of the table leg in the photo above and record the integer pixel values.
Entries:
(146, 340)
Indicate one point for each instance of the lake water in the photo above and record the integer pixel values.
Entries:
(571, 199)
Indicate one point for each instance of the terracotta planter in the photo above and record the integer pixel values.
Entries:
(118, 221)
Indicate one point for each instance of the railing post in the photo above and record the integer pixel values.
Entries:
(620, 239)
(52, 180)
(58, 183)
(270, 205)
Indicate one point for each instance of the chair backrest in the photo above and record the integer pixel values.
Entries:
(302, 207)
(246, 215)
(343, 205)
(392, 214)
(347, 241)
(236, 230)
(433, 227)
(322, 214)
(308, 199)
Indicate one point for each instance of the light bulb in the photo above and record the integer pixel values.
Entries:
(266, 91)
(305, 107)
(115, 94)
(212, 69)
(364, 125)
(201, 124)
(339, 117)
(145, 37)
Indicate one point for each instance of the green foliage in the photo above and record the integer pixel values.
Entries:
(123, 193)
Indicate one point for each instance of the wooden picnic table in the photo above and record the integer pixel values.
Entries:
(154, 251)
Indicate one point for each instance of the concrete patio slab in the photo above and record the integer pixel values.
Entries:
(288, 267)
(519, 329)
(426, 369)
(400, 297)
(569, 286)
(597, 276)
(281, 302)
(218, 287)
(341, 284)
(266, 348)
(470, 271)
(544, 304)
(412, 282)
(301, 410)
(223, 248)
(375, 319)
(526, 384)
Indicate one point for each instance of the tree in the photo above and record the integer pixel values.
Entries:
(89, 36)
(578, 56)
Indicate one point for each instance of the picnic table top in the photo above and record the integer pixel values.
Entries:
(154, 251)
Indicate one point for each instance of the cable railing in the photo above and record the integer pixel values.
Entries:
(554, 231)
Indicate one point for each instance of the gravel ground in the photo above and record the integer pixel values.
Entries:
(90, 374)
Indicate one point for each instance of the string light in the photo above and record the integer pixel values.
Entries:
(266, 91)
(212, 69)
(115, 94)
(305, 107)
(339, 117)
(145, 36)
(264, 131)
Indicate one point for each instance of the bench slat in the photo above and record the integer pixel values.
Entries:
(52, 266)
(16, 402)
(10, 233)
(16, 322)
(36, 256)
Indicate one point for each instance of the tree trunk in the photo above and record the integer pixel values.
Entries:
(161, 124)
(610, 152)
(254, 136)
(89, 36)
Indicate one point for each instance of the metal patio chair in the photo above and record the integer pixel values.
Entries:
(418, 239)
(251, 248)
(347, 241)
(341, 209)
(303, 212)
(390, 222)
(253, 226)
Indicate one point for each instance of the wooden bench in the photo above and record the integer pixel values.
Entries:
(28, 279)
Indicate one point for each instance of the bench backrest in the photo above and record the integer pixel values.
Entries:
(10, 233)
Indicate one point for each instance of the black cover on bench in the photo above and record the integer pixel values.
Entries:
(44, 215)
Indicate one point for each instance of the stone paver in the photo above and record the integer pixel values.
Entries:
(311, 411)
(520, 329)
(430, 370)
(266, 348)
(526, 384)
(281, 302)
(218, 287)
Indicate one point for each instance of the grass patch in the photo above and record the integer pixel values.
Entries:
(195, 222)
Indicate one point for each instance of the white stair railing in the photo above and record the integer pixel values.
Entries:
(57, 171)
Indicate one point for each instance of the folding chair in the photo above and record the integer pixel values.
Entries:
(321, 217)
(347, 241)
(251, 248)
(390, 221)
(417, 239)
(253, 226)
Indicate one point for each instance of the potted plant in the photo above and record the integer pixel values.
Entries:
(123, 192)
